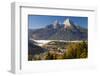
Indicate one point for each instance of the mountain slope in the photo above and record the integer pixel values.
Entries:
(34, 49)
(57, 31)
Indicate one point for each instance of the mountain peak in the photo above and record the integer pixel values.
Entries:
(67, 23)
(57, 31)
(56, 24)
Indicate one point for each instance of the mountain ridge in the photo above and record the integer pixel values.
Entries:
(56, 31)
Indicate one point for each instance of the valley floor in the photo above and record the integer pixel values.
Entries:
(61, 50)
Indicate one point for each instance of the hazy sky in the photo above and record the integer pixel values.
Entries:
(40, 21)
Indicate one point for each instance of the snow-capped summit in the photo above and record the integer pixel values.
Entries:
(67, 23)
(56, 24)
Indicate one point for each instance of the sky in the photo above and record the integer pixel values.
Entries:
(40, 21)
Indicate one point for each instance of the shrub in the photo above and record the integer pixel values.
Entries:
(30, 57)
(76, 50)
(36, 57)
(84, 54)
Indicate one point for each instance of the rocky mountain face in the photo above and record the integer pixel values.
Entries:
(56, 31)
